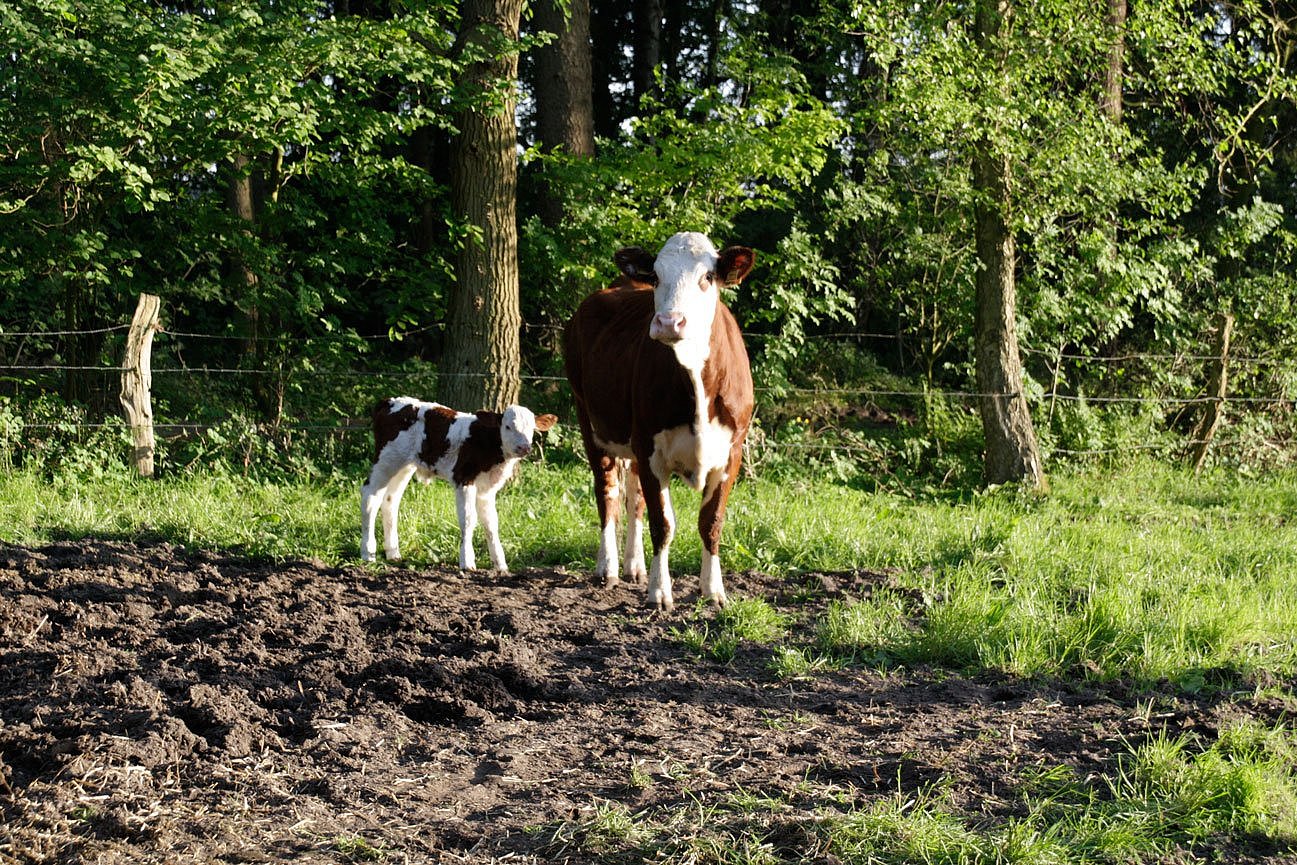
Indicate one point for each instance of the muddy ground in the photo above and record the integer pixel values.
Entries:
(159, 704)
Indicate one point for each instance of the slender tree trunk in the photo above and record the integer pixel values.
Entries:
(242, 204)
(1012, 453)
(1112, 82)
(715, 12)
(481, 367)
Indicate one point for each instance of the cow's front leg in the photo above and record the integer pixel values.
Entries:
(711, 517)
(490, 521)
(662, 527)
(465, 497)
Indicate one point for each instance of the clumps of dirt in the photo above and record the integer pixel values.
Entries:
(159, 704)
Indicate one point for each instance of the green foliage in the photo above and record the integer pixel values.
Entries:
(754, 154)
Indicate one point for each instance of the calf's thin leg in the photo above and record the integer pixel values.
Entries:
(465, 497)
(371, 496)
(390, 506)
(487, 516)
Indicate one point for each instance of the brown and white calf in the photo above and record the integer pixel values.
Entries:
(475, 452)
(663, 387)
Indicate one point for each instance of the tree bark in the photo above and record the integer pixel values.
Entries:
(606, 29)
(247, 295)
(648, 45)
(564, 103)
(481, 368)
(1012, 453)
(1113, 78)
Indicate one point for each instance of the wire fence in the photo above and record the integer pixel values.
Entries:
(1055, 356)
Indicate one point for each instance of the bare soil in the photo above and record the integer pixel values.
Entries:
(164, 705)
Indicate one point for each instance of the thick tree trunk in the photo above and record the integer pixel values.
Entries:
(648, 45)
(606, 28)
(564, 104)
(481, 367)
(1012, 453)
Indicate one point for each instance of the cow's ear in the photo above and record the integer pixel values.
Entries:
(734, 264)
(545, 421)
(636, 264)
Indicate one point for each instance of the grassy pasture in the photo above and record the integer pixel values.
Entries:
(1164, 584)
(1144, 574)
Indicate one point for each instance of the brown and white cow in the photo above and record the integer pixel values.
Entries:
(477, 453)
(663, 387)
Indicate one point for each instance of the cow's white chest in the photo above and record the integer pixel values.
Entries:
(692, 455)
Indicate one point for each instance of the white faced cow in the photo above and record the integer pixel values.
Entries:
(663, 387)
(475, 452)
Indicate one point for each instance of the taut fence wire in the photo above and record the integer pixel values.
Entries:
(351, 426)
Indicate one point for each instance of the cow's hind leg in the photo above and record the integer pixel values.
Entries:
(711, 517)
(633, 559)
(607, 497)
(371, 498)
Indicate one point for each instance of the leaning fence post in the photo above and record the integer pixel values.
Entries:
(137, 379)
(1205, 430)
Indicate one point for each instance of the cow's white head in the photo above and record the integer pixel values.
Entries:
(686, 276)
(517, 426)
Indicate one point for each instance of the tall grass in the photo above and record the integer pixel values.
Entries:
(1146, 573)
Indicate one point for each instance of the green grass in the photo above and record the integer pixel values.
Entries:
(1143, 574)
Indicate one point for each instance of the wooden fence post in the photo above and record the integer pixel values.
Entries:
(137, 379)
(1205, 430)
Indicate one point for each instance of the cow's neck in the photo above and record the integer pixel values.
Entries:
(692, 356)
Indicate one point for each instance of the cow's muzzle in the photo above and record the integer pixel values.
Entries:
(668, 327)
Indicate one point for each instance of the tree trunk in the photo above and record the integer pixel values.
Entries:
(564, 105)
(606, 28)
(242, 204)
(1112, 81)
(1012, 453)
(648, 45)
(481, 367)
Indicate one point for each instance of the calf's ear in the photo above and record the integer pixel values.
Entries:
(545, 422)
(734, 264)
(636, 264)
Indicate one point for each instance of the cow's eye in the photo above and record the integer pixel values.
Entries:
(709, 278)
